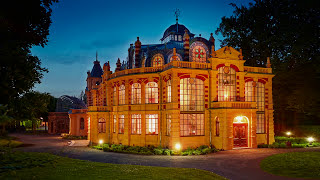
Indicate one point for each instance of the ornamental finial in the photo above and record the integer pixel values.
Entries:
(177, 14)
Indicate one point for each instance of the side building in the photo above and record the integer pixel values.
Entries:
(181, 92)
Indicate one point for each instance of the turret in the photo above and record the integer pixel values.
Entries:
(137, 52)
(212, 40)
(118, 68)
(186, 46)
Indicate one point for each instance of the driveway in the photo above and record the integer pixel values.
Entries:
(233, 164)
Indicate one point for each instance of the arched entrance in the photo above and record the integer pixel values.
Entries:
(240, 131)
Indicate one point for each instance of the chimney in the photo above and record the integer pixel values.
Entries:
(118, 68)
(137, 52)
(186, 47)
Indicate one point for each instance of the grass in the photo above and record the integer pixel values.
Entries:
(6, 141)
(293, 164)
(22, 165)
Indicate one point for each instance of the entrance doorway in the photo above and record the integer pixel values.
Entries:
(240, 132)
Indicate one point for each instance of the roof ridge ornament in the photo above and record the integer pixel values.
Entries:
(177, 14)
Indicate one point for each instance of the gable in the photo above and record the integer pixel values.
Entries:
(228, 52)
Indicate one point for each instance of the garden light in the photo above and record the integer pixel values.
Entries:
(178, 146)
(310, 139)
(100, 141)
(288, 133)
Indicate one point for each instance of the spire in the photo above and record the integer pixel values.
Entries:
(268, 62)
(96, 55)
(118, 65)
(177, 14)
(137, 52)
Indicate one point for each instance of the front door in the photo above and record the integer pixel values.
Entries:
(240, 135)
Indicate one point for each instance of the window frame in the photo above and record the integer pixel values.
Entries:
(136, 93)
(192, 95)
(152, 124)
(122, 94)
(226, 91)
(185, 125)
(153, 93)
(102, 125)
(136, 124)
(82, 124)
(121, 124)
(169, 91)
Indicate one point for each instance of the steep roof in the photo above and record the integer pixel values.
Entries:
(175, 29)
(96, 70)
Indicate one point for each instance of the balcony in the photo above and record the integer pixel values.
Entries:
(173, 64)
(234, 105)
(257, 70)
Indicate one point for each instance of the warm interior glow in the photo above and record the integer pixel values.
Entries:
(288, 133)
(178, 146)
(100, 141)
(310, 139)
(240, 119)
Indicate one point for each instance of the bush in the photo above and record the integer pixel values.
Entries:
(158, 151)
(71, 137)
(299, 145)
(293, 140)
(315, 144)
(167, 152)
(263, 145)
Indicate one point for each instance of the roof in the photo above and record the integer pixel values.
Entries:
(176, 29)
(96, 70)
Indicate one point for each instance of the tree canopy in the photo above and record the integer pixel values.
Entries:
(23, 24)
(288, 32)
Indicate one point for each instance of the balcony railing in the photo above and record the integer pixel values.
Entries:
(234, 105)
(257, 70)
(173, 64)
(97, 108)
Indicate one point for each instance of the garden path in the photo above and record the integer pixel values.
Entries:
(233, 164)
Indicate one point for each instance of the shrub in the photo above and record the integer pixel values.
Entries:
(167, 152)
(158, 151)
(296, 140)
(299, 145)
(263, 145)
(106, 147)
(315, 144)
(196, 152)
(206, 150)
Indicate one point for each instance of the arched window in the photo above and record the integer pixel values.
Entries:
(102, 125)
(114, 95)
(136, 93)
(122, 94)
(227, 84)
(151, 92)
(151, 123)
(249, 91)
(178, 58)
(157, 60)
(217, 126)
(81, 123)
(198, 52)
(169, 91)
(191, 94)
(260, 105)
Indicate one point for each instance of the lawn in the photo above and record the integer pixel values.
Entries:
(294, 164)
(22, 165)
(9, 142)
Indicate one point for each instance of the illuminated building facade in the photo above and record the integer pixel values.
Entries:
(180, 92)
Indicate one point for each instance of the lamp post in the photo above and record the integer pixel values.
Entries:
(288, 133)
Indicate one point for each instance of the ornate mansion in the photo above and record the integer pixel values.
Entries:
(180, 93)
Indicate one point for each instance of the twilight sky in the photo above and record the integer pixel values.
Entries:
(81, 27)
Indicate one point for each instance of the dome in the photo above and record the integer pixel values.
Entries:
(175, 29)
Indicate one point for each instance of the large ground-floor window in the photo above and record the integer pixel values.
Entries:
(121, 124)
(102, 125)
(136, 124)
(191, 124)
(151, 123)
(261, 123)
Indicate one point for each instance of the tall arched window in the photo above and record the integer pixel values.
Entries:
(178, 57)
(198, 52)
(249, 91)
(227, 84)
(121, 124)
(81, 123)
(191, 94)
(102, 125)
(169, 91)
(260, 105)
(114, 95)
(157, 60)
(151, 92)
(122, 94)
(114, 123)
(136, 93)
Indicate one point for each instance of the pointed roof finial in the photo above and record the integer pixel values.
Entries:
(96, 55)
(177, 14)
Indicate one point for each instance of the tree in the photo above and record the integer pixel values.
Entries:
(287, 31)
(23, 24)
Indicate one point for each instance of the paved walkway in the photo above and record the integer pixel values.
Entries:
(233, 164)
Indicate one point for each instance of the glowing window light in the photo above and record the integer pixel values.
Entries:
(240, 119)
(288, 133)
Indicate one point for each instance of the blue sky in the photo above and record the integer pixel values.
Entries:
(82, 27)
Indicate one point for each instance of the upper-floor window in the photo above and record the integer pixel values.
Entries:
(136, 93)
(227, 84)
(169, 91)
(136, 124)
(260, 96)
(198, 52)
(157, 60)
(114, 95)
(191, 94)
(122, 94)
(81, 123)
(151, 123)
(151, 92)
(121, 124)
(249, 91)
(179, 38)
(191, 124)
(102, 125)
